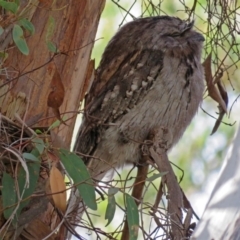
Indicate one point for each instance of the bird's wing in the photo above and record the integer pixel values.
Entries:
(119, 87)
(120, 84)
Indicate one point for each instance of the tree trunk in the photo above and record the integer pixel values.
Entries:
(28, 81)
(222, 215)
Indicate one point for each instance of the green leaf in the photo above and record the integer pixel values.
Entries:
(39, 144)
(52, 47)
(3, 55)
(30, 156)
(155, 176)
(9, 6)
(17, 2)
(36, 153)
(80, 175)
(50, 31)
(112, 191)
(8, 194)
(49, 34)
(111, 207)
(132, 217)
(19, 39)
(1, 30)
(38, 131)
(50, 28)
(27, 25)
(57, 123)
(54, 125)
(33, 169)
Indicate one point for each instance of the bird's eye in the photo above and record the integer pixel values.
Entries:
(175, 34)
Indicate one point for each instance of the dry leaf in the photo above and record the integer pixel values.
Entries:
(57, 184)
(212, 89)
(223, 92)
(216, 93)
(221, 110)
(56, 96)
(219, 120)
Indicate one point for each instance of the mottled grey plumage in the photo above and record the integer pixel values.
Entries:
(150, 76)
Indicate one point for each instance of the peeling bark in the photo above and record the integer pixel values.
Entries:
(26, 84)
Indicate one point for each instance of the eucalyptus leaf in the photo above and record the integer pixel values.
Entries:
(57, 123)
(8, 194)
(25, 193)
(112, 191)
(27, 25)
(155, 176)
(111, 208)
(30, 156)
(81, 177)
(132, 217)
(9, 6)
(50, 28)
(54, 125)
(38, 131)
(1, 30)
(49, 35)
(39, 144)
(17, 2)
(52, 47)
(4, 55)
(19, 39)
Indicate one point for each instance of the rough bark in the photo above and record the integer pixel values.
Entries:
(74, 33)
(24, 90)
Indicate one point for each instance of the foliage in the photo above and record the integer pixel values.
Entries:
(50, 31)
(20, 24)
(17, 191)
(77, 170)
(132, 217)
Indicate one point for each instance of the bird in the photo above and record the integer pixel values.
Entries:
(150, 77)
